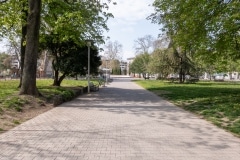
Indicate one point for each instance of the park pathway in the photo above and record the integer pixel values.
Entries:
(120, 122)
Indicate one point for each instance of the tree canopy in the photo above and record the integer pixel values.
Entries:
(201, 31)
(140, 64)
(204, 24)
(75, 20)
(70, 58)
(65, 20)
(5, 61)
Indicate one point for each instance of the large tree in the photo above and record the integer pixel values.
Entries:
(143, 44)
(76, 20)
(72, 22)
(71, 59)
(140, 64)
(113, 50)
(32, 42)
(113, 55)
(196, 25)
(160, 64)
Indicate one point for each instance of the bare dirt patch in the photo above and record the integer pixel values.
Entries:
(29, 107)
(10, 118)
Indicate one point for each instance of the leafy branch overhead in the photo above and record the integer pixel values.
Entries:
(212, 24)
(203, 36)
(66, 20)
(78, 20)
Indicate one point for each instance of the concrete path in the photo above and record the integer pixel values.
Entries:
(120, 122)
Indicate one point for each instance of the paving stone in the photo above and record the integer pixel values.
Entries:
(119, 122)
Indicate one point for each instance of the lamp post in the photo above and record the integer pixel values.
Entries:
(88, 45)
(106, 72)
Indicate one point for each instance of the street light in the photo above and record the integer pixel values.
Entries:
(88, 45)
(106, 72)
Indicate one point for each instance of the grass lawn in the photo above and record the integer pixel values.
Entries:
(9, 90)
(14, 108)
(218, 102)
(45, 87)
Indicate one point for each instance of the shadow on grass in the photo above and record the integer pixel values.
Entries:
(219, 103)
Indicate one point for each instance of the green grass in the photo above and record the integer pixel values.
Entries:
(7, 88)
(9, 98)
(14, 102)
(216, 102)
(16, 122)
(65, 83)
(45, 87)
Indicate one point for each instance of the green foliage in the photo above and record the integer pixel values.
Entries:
(10, 100)
(11, 18)
(14, 103)
(42, 83)
(78, 20)
(67, 95)
(216, 102)
(112, 64)
(69, 20)
(16, 122)
(70, 58)
(74, 60)
(170, 61)
(209, 29)
(116, 71)
(164, 62)
(72, 20)
(5, 61)
(7, 88)
(158, 63)
(1, 110)
(49, 91)
(140, 63)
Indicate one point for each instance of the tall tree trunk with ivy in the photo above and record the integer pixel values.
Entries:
(28, 86)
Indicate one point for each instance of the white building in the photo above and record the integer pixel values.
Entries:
(123, 66)
(129, 61)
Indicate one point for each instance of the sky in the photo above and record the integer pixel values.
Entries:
(3, 47)
(130, 23)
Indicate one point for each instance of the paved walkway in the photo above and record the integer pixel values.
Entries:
(120, 122)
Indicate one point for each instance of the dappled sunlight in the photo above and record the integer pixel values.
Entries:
(119, 119)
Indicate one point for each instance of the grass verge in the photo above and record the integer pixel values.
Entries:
(218, 102)
(15, 109)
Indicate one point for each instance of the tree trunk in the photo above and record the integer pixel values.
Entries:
(23, 49)
(46, 62)
(57, 82)
(61, 79)
(28, 86)
(181, 71)
(56, 75)
(23, 39)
